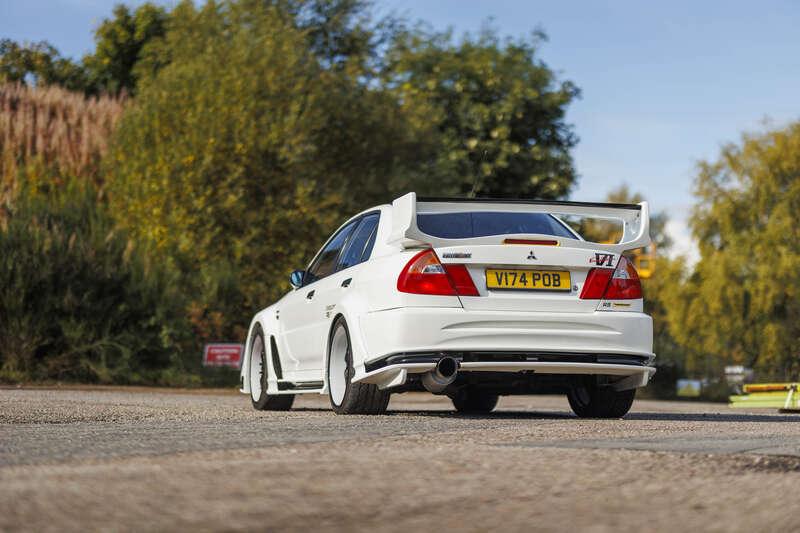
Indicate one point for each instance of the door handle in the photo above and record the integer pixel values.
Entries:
(346, 283)
(310, 295)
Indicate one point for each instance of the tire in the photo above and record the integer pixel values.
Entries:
(471, 401)
(588, 400)
(349, 398)
(258, 379)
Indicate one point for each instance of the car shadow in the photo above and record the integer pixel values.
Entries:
(562, 415)
(453, 414)
(494, 415)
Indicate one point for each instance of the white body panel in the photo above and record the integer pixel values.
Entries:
(384, 321)
(635, 221)
(440, 329)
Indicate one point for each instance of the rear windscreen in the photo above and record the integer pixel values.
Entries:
(484, 224)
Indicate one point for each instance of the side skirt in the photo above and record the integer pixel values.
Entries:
(299, 387)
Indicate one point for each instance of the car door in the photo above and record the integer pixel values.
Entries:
(302, 311)
(333, 288)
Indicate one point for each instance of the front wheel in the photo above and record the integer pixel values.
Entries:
(258, 379)
(348, 398)
(590, 400)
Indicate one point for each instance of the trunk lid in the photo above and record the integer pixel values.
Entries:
(493, 264)
(505, 242)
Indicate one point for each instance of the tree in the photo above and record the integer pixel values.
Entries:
(121, 42)
(496, 110)
(741, 305)
(126, 46)
(39, 63)
(243, 153)
(270, 122)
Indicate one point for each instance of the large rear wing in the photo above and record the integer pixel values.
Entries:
(635, 219)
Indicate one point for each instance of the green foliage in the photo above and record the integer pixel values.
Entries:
(77, 300)
(496, 110)
(121, 42)
(256, 128)
(125, 44)
(246, 151)
(39, 63)
(742, 303)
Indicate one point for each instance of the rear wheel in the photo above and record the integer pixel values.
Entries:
(472, 401)
(258, 379)
(348, 398)
(590, 400)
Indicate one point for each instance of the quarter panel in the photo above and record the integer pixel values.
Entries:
(269, 327)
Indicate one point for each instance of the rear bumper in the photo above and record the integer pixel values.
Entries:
(628, 371)
(411, 340)
(490, 361)
(438, 329)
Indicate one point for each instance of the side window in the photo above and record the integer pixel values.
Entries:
(370, 244)
(325, 263)
(354, 251)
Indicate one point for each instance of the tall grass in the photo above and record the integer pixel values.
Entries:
(62, 130)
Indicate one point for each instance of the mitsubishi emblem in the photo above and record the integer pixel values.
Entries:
(531, 255)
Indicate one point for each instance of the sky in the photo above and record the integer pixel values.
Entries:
(664, 84)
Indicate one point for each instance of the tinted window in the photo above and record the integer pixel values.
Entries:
(482, 224)
(370, 244)
(325, 263)
(354, 251)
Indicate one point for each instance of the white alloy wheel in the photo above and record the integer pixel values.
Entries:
(258, 378)
(337, 369)
(256, 368)
(348, 398)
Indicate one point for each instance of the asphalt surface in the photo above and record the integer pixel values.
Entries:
(149, 459)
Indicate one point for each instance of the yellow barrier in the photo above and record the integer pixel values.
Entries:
(782, 396)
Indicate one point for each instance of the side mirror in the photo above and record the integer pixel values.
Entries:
(296, 278)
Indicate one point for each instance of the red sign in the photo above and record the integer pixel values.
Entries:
(223, 354)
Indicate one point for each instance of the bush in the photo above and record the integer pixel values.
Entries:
(79, 302)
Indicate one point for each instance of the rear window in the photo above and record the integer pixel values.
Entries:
(486, 223)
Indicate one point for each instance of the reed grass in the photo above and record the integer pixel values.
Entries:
(66, 131)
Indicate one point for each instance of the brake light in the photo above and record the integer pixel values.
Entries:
(424, 274)
(622, 283)
(539, 242)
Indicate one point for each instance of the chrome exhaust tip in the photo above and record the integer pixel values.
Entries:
(439, 378)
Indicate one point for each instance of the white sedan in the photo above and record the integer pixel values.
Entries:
(472, 299)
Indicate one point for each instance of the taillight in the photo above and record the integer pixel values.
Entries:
(424, 274)
(622, 283)
(625, 284)
(596, 283)
(461, 279)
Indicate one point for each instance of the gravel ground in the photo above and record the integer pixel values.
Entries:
(149, 459)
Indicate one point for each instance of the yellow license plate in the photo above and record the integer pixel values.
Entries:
(535, 280)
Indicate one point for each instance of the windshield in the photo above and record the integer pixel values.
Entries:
(486, 223)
